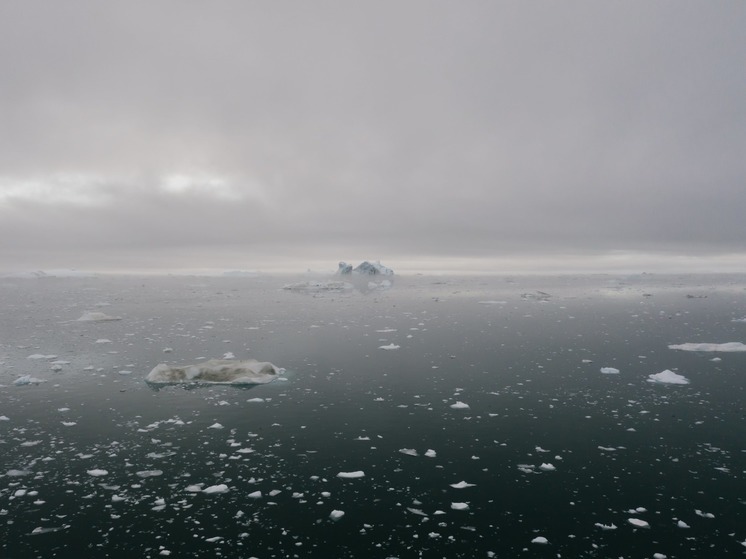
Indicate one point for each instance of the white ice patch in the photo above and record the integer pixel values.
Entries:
(409, 451)
(540, 540)
(216, 371)
(214, 489)
(726, 347)
(462, 485)
(430, 453)
(389, 347)
(27, 379)
(460, 506)
(609, 371)
(97, 473)
(638, 523)
(336, 514)
(668, 377)
(546, 467)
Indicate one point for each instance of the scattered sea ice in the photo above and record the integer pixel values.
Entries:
(215, 426)
(214, 489)
(540, 539)
(389, 347)
(668, 377)
(430, 453)
(27, 379)
(459, 506)
(336, 514)
(462, 485)
(408, 451)
(609, 371)
(255, 495)
(546, 467)
(638, 523)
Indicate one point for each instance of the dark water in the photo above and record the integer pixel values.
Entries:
(526, 364)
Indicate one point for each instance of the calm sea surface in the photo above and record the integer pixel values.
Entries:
(416, 387)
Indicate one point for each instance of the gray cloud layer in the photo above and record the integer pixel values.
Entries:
(173, 131)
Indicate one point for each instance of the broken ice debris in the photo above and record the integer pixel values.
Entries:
(217, 371)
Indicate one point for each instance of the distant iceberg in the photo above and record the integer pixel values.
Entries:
(726, 347)
(216, 371)
(365, 268)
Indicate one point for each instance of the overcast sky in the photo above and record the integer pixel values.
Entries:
(261, 134)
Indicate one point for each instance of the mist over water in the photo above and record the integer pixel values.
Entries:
(469, 416)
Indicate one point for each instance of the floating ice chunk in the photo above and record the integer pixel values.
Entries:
(462, 485)
(69, 423)
(149, 473)
(389, 347)
(430, 453)
(726, 347)
(255, 400)
(97, 317)
(609, 371)
(409, 451)
(4, 418)
(668, 377)
(460, 406)
(540, 540)
(193, 488)
(336, 514)
(37, 356)
(546, 467)
(704, 514)
(17, 473)
(215, 425)
(682, 524)
(638, 523)
(492, 302)
(218, 371)
(460, 506)
(659, 556)
(103, 341)
(255, 495)
(27, 379)
(351, 475)
(97, 473)
(605, 526)
(215, 489)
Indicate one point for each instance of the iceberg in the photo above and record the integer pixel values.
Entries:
(668, 377)
(726, 347)
(319, 286)
(365, 268)
(216, 371)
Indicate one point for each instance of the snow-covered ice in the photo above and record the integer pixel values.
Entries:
(216, 371)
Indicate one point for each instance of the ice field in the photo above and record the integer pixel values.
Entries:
(569, 416)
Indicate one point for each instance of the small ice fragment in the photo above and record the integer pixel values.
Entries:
(215, 426)
(215, 489)
(540, 540)
(97, 317)
(605, 526)
(430, 453)
(255, 400)
(638, 523)
(609, 371)
(659, 556)
(682, 524)
(103, 341)
(193, 488)
(459, 506)
(460, 406)
(336, 514)
(255, 495)
(704, 514)
(69, 423)
(27, 379)
(408, 451)
(351, 475)
(389, 347)
(462, 485)
(97, 472)
(546, 467)
(149, 473)
(4, 418)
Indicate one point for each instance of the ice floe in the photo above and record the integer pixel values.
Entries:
(351, 475)
(609, 371)
(389, 347)
(460, 406)
(540, 540)
(97, 317)
(726, 347)
(97, 472)
(336, 514)
(27, 379)
(213, 489)
(462, 485)
(638, 523)
(668, 377)
(216, 371)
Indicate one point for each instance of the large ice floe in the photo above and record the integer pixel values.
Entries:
(726, 347)
(216, 371)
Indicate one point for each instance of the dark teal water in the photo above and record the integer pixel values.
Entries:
(529, 370)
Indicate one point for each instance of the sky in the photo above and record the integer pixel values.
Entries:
(478, 135)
